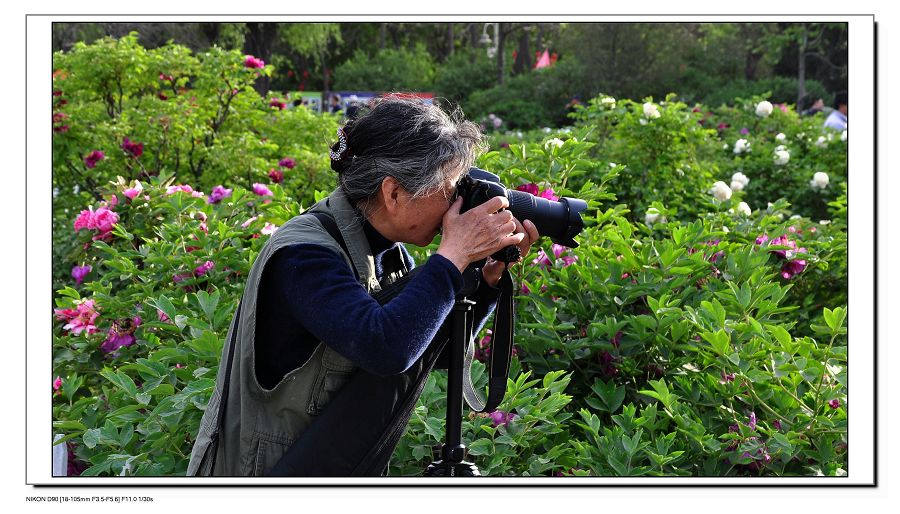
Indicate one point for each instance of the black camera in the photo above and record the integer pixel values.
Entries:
(560, 221)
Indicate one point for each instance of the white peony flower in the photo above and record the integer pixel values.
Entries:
(764, 109)
(721, 191)
(780, 147)
(651, 111)
(819, 180)
(740, 177)
(519, 134)
(744, 209)
(741, 146)
(547, 130)
(737, 185)
(557, 142)
(780, 137)
(781, 157)
(679, 172)
(75, 189)
(612, 165)
(796, 217)
(608, 102)
(651, 216)
(725, 146)
(844, 135)
(725, 229)
(824, 222)
(821, 142)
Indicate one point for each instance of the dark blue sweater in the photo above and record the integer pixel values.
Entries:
(308, 294)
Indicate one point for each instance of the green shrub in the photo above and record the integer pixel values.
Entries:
(389, 69)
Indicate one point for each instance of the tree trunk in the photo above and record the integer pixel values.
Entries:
(258, 43)
(501, 44)
(211, 31)
(382, 36)
(523, 54)
(801, 67)
(451, 41)
(473, 41)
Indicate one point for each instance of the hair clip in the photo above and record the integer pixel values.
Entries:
(342, 146)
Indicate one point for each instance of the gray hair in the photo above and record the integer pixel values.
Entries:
(418, 144)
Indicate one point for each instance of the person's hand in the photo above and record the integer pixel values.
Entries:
(478, 232)
(493, 270)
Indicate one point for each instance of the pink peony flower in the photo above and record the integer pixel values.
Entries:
(204, 268)
(162, 96)
(529, 188)
(542, 259)
(59, 116)
(762, 239)
(80, 319)
(85, 219)
(131, 148)
(525, 289)
(197, 194)
(120, 334)
(93, 158)
(549, 194)
(57, 384)
(178, 277)
(61, 128)
(276, 176)
(168, 78)
(162, 316)
(104, 219)
(253, 63)
(171, 190)
(834, 404)
(288, 163)
(277, 103)
(217, 194)
(791, 268)
(248, 222)
(268, 229)
(79, 272)
(498, 417)
(261, 189)
(132, 192)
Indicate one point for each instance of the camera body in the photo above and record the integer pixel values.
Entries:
(560, 221)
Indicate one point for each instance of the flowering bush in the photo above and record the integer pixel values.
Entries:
(698, 329)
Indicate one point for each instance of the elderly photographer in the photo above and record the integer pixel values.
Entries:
(326, 356)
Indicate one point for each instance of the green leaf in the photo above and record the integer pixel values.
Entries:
(91, 437)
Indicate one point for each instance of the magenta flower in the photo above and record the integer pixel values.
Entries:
(776, 424)
(783, 241)
(549, 194)
(253, 62)
(57, 384)
(277, 103)
(745, 131)
(93, 158)
(791, 268)
(531, 189)
(80, 319)
(85, 219)
(722, 126)
(276, 176)
(204, 268)
(61, 128)
(752, 423)
(79, 272)
(178, 277)
(762, 239)
(217, 194)
(288, 163)
(261, 189)
(542, 259)
(162, 316)
(525, 289)
(834, 404)
(168, 78)
(120, 334)
(131, 148)
(162, 96)
(104, 219)
(726, 377)
(59, 116)
(249, 221)
(498, 417)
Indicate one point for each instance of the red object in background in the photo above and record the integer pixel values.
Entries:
(290, 73)
(515, 54)
(305, 74)
(553, 58)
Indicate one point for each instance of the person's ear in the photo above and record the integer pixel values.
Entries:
(391, 194)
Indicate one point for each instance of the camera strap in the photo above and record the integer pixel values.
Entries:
(501, 351)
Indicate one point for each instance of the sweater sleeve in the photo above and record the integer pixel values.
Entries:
(323, 296)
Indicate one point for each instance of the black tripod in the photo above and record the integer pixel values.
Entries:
(453, 451)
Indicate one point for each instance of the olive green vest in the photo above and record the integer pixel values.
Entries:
(260, 424)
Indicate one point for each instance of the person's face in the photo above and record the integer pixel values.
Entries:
(819, 104)
(420, 218)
